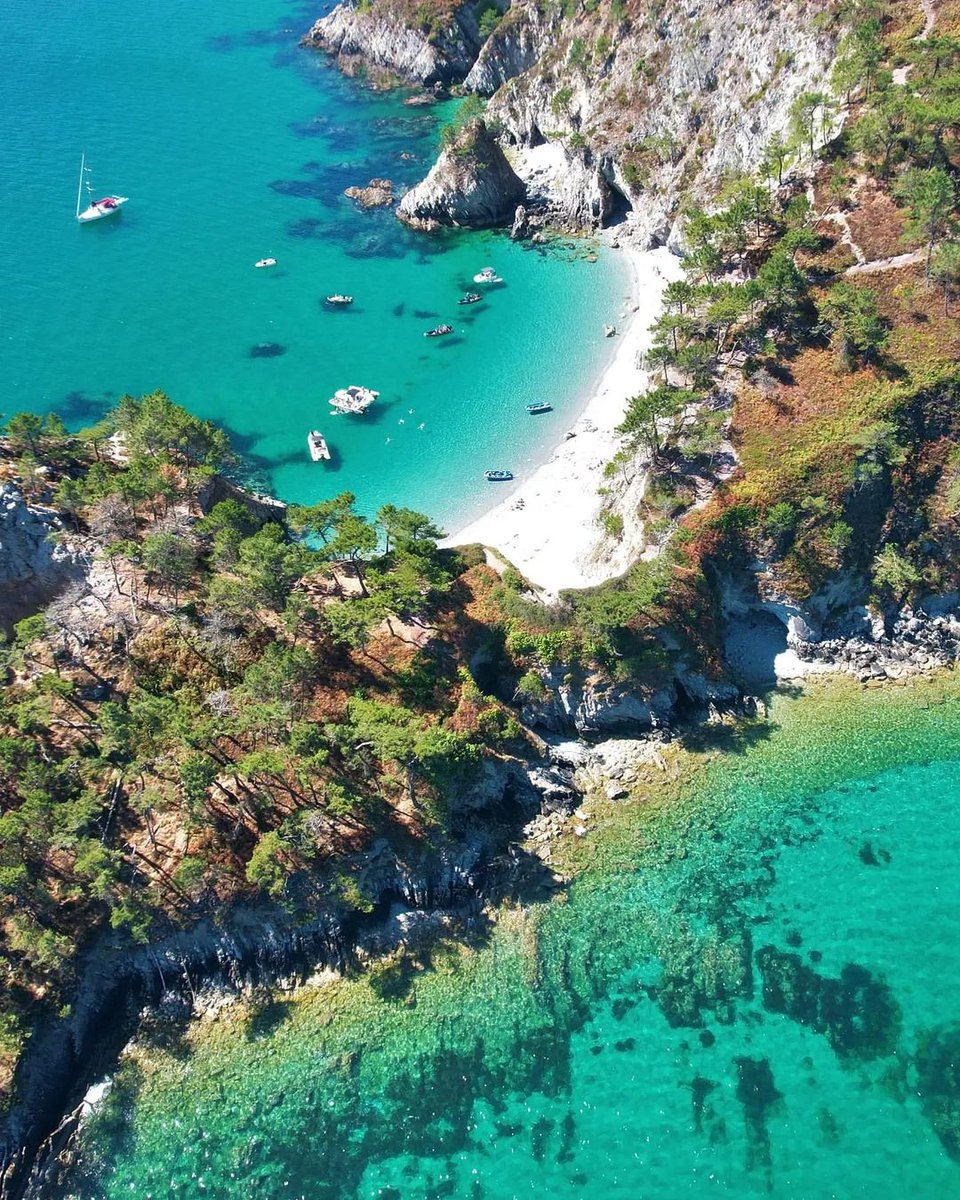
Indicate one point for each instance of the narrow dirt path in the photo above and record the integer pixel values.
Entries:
(886, 264)
(846, 237)
(930, 13)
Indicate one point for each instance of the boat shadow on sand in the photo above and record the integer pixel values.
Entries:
(334, 463)
(267, 350)
(327, 307)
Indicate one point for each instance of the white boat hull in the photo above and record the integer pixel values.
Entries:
(99, 210)
(319, 450)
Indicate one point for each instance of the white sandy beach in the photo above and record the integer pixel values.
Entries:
(547, 527)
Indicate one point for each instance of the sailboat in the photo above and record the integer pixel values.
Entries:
(96, 208)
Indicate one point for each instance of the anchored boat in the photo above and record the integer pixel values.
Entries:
(317, 445)
(439, 331)
(470, 298)
(353, 399)
(539, 408)
(265, 262)
(497, 476)
(96, 209)
(338, 299)
(487, 275)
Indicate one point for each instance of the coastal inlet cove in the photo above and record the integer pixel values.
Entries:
(234, 146)
(749, 988)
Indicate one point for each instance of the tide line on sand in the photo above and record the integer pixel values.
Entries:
(548, 526)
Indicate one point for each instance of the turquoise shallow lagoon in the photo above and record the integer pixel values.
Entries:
(234, 144)
(750, 991)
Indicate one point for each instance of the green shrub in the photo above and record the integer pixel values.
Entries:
(531, 687)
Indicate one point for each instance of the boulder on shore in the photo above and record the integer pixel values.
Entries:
(471, 185)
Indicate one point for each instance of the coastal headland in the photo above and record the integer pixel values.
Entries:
(591, 902)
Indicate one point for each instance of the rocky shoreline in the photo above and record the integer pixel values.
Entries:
(518, 809)
(917, 642)
(511, 818)
(563, 80)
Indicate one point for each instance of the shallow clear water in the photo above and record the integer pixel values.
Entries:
(751, 991)
(233, 144)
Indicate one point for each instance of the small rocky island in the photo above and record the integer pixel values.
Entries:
(377, 194)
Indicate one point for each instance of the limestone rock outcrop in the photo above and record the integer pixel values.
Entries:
(34, 567)
(632, 107)
(516, 44)
(391, 38)
(472, 184)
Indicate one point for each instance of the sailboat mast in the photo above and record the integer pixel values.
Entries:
(83, 159)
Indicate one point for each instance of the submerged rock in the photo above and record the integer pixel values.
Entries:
(471, 184)
(938, 1084)
(377, 194)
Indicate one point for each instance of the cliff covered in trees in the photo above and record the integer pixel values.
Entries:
(238, 704)
(219, 702)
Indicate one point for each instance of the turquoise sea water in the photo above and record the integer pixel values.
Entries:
(234, 144)
(750, 992)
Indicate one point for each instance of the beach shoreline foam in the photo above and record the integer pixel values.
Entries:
(548, 527)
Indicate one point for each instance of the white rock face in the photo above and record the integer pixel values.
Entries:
(647, 109)
(381, 39)
(516, 44)
(33, 568)
(471, 184)
(678, 100)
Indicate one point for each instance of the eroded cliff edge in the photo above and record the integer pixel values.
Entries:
(627, 108)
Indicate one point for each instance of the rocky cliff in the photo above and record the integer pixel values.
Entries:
(471, 184)
(36, 560)
(659, 104)
(639, 104)
(400, 40)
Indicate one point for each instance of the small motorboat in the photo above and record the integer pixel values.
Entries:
(497, 476)
(487, 275)
(265, 262)
(317, 445)
(533, 409)
(439, 331)
(338, 299)
(470, 298)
